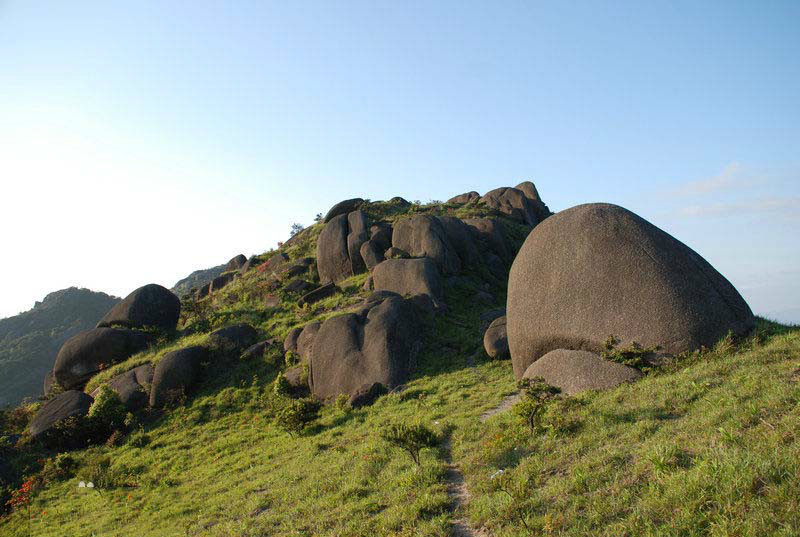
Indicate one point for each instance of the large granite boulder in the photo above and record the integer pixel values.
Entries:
(72, 403)
(376, 345)
(513, 203)
(577, 371)
(597, 270)
(150, 305)
(175, 373)
(425, 236)
(381, 233)
(495, 340)
(132, 386)
(86, 353)
(333, 256)
(343, 207)
(408, 277)
(321, 292)
(290, 342)
(221, 281)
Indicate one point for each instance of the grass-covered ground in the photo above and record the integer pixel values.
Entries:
(706, 445)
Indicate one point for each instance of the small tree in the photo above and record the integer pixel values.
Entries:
(536, 395)
(296, 228)
(410, 438)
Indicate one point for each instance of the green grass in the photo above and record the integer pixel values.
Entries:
(704, 446)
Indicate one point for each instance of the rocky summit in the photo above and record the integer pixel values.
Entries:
(355, 381)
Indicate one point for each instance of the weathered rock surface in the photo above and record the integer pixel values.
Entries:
(512, 202)
(371, 254)
(236, 263)
(465, 198)
(333, 257)
(495, 341)
(354, 243)
(290, 343)
(49, 383)
(460, 236)
(257, 350)
(489, 232)
(132, 386)
(86, 353)
(366, 394)
(318, 294)
(305, 341)
(221, 281)
(382, 235)
(299, 286)
(408, 277)
(577, 371)
(175, 374)
(62, 406)
(529, 189)
(343, 207)
(395, 253)
(149, 305)
(597, 270)
(425, 236)
(376, 345)
(232, 340)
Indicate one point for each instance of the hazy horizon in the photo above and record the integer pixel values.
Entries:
(139, 143)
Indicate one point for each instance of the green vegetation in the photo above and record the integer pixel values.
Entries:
(706, 444)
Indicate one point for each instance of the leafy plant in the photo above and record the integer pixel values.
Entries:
(297, 414)
(411, 438)
(108, 412)
(536, 396)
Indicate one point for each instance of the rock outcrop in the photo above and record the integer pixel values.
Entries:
(378, 344)
(425, 236)
(231, 340)
(150, 305)
(577, 371)
(175, 374)
(343, 207)
(597, 270)
(236, 263)
(408, 277)
(72, 403)
(83, 355)
(465, 197)
(132, 387)
(513, 203)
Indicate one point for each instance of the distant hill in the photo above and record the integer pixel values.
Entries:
(198, 278)
(30, 341)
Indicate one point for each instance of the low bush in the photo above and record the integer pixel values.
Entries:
(411, 438)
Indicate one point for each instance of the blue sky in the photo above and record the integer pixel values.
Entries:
(142, 140)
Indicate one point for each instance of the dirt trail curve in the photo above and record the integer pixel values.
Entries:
(506, 404)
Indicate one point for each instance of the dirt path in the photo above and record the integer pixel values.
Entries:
(459, 497)
(504, 405)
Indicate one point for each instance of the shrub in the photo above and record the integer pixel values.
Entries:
(58, 468)
(633, 356)
(410, 438)
(294, 416)
(291, 358)
(281, 386)
(108, 412)
(536, 396)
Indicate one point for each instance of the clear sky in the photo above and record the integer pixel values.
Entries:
(142, 140)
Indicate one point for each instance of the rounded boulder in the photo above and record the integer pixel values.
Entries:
(150, 305)
(577, 371)
(597, 270)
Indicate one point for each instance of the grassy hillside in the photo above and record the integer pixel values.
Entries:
(30, 341)
(704, 445)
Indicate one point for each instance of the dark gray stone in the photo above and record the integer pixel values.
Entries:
(425, 236)
(132, 387)
(513, 203)
(495, 340)
(367, 394)
(371, 254)
(149, 305)
(408, 277)
(376, 345)
(318, 294)
(236, 263)
(343, 207)
(86, 353)
(333, 258)
(597, 270)
(290, 343)
(232, 340)
(465, 198)
(175, 374)
(64, 405)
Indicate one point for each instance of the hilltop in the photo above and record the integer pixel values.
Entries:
(393, 314)
(29, 341)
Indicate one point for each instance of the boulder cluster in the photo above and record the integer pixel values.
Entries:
(582, 276)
